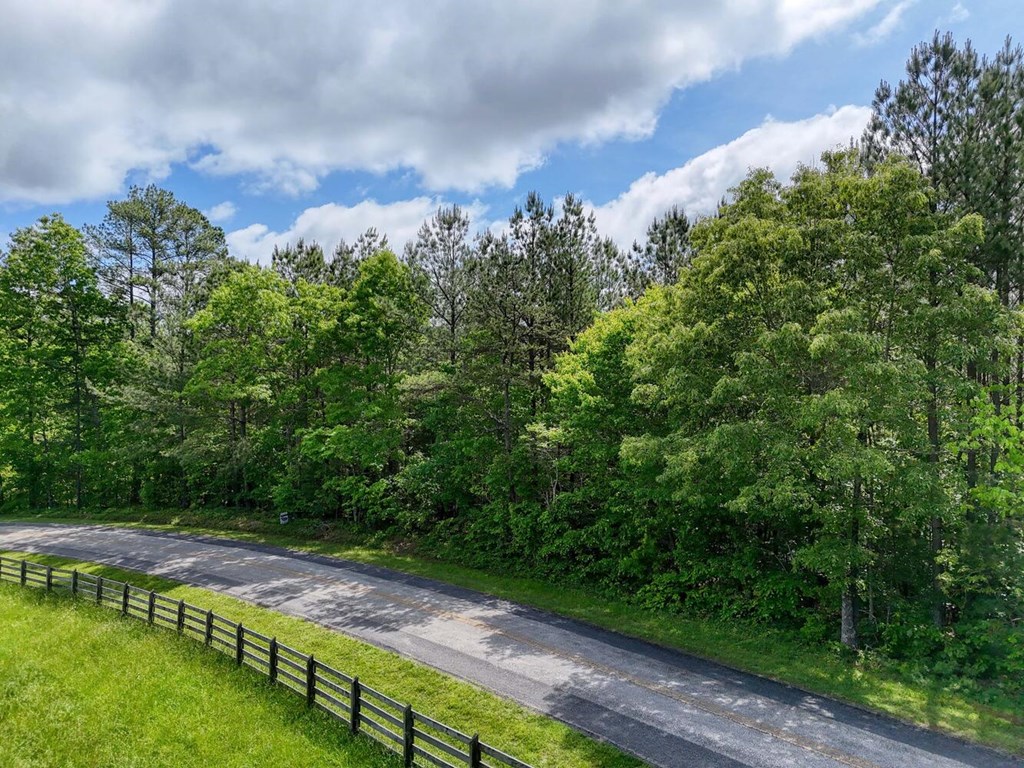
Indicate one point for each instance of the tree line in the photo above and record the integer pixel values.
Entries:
(805, 409)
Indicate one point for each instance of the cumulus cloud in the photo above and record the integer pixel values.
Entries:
(885, 26)
(698, 185)
(466, 94)
(329, 224)
(221, 212)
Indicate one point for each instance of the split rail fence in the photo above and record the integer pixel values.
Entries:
(420, 740)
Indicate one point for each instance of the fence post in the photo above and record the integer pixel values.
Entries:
(310, 681)
(474, 749)
(353, 706)
(408, 736)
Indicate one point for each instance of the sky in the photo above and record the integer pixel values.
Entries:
(284, 119)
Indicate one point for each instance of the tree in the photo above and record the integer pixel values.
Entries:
(439, 258)
(241, 333)
(503, 311)
(302, 261)
(782, 427)
(367, 347)
(667, 250)
(59, 345)
(163, 257)
(960, 119)
(596, 522)
(155, 251)
(925, 117)
(344, 266)
(618, 276)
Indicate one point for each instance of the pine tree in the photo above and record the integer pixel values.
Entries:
(666, 251)
(439, 258)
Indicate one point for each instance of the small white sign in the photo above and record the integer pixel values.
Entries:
(284, 518)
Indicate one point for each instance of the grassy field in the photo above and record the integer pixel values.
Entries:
(81, 687)
(124, 669)
(866, 681)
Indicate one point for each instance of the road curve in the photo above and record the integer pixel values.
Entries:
(666, 707)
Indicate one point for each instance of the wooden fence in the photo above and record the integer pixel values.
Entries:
(421, 740)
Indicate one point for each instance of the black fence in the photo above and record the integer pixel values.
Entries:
(421, 740)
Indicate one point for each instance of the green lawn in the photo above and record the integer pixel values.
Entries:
(96, 634)
(867, 681)
(79, 686)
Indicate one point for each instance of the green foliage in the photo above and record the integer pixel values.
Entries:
(240, 334)
(781, 430)
(667, 251)
(804, 411)
(362, 432)
(59, 344)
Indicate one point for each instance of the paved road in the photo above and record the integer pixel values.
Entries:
(668, 708)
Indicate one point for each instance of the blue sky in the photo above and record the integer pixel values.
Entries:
(319, 123)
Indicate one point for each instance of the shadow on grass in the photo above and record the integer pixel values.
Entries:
(756, 649)
(545, 744)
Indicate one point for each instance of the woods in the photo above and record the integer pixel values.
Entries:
(803, 410)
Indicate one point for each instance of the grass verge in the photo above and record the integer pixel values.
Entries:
(531, 737)
(81, 687)
(868, 682)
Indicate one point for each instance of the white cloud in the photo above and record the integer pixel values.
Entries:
(221, 212)
(698, 185)
(329, 224)
(885, 27)
(957, 14)
(466, 94)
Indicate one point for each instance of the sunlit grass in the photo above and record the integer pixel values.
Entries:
(79, 686)
(866, 681)
(531, 737)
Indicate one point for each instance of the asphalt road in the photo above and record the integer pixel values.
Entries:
(667, 708)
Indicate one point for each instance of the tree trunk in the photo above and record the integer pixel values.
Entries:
(507, 429)
(452, 336)
(938, 601)
(154, 289)
(848, 618)
(131, 284)
(1019, 393)
(972, 453)
(135, 485)
(79, 387)
(848, 630)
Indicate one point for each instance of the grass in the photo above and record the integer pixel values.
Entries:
(867, 682)
(112, 655)
(81, 687)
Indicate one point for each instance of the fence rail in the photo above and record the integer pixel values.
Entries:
(421, 740)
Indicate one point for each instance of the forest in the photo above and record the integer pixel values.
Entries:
(804, 410)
